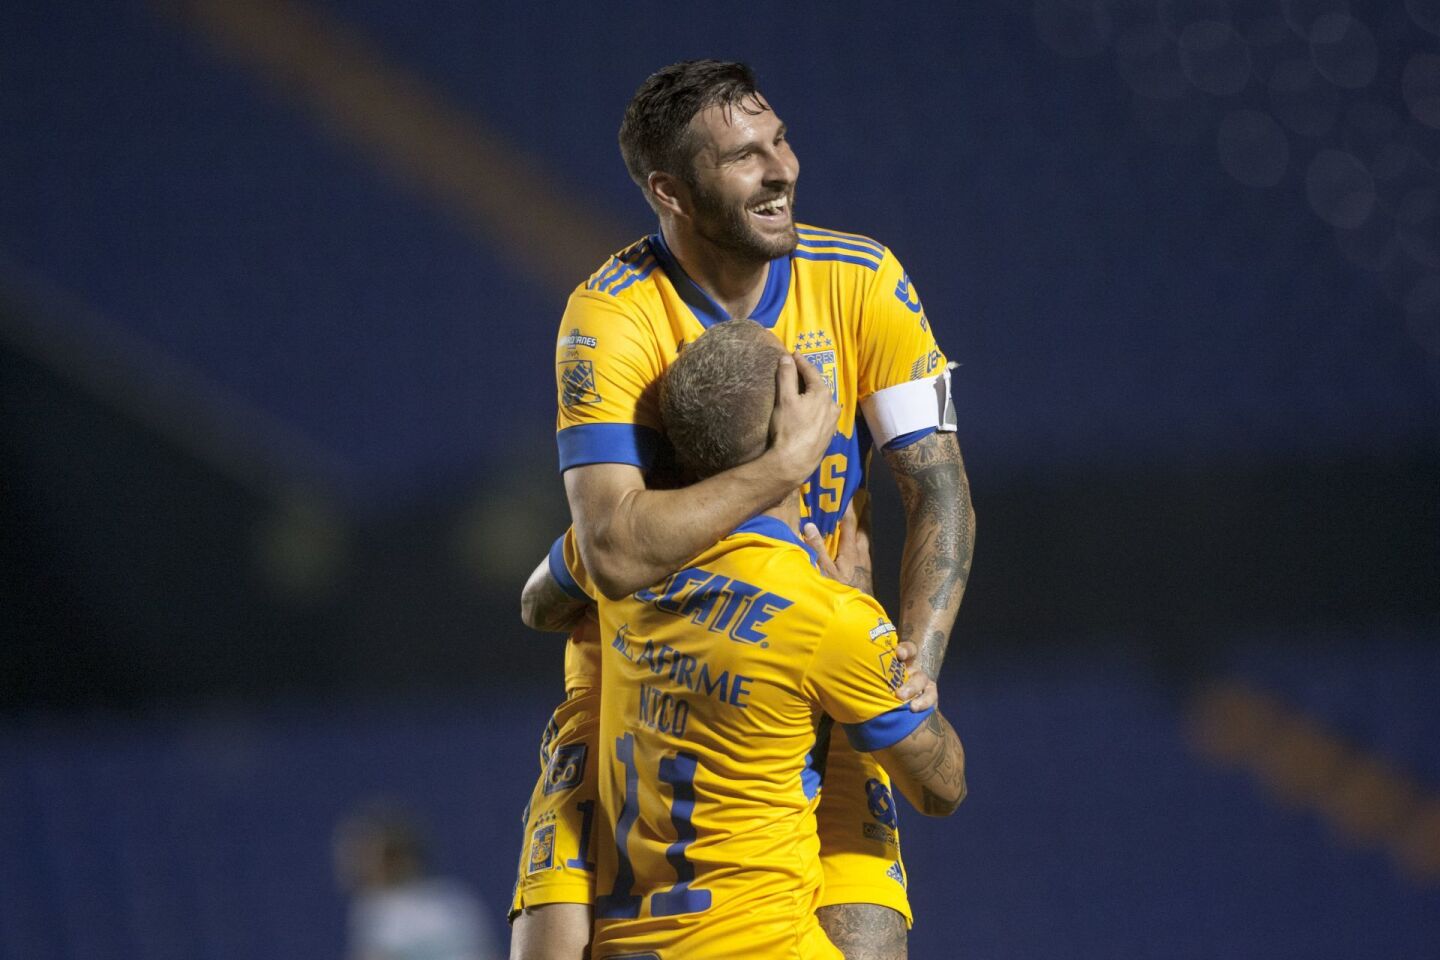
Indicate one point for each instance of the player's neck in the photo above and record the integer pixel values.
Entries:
(734, 283)
(787, 511)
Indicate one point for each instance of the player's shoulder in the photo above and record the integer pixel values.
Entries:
(778, 556)
(826, 248)
(623, 275)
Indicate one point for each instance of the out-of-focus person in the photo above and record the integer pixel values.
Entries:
(398, 911)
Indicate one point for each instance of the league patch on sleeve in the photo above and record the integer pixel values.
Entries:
(542, 849)
(566, 769)
(577, 383)
(892, 669)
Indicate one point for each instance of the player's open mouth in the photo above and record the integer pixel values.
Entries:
(772, 211)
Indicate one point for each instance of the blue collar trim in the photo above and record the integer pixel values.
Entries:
(767, 526)
(706, 310)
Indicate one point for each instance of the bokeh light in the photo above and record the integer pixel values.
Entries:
(1253, 148)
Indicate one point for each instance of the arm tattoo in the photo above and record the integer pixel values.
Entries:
(937, 768)
(865, 931)
(939, 541)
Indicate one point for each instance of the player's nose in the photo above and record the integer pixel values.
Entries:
(782, 168)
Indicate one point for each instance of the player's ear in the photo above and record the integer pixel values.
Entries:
(669, 192)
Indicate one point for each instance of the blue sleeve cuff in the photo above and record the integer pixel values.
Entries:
(561, 572)
(607, 443)
(905, 439)
(886, 730)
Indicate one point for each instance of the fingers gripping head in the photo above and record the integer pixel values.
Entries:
(717, 397)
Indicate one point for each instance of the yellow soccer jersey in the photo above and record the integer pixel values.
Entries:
(842, 300)
(720, 685)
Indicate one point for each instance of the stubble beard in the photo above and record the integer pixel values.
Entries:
(728, 227)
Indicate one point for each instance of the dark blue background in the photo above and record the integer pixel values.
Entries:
(276, 420)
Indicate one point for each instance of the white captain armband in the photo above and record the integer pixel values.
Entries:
(907, 407)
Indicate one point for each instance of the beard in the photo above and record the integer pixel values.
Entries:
(728, 227)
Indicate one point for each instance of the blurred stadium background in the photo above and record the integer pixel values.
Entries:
(278, 286)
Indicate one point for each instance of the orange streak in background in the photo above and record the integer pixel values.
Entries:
(324, 64)
(1305, 766)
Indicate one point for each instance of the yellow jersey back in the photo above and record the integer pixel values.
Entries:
(720, 688)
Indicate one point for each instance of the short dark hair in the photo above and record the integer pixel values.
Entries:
(717, 397)
(655, 134)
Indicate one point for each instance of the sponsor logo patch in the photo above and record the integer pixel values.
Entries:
(880, 834)
(575, 339)
(882, 803)
(896, 873)
(566, 769)
(925, 365)
(906, 293)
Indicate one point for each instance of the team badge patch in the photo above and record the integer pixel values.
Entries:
(542, 849)
(577, 383)
(566, 769)
(817, 347)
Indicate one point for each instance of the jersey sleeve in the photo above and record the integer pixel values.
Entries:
(606, 367)
(854, 674)
(904, 379)
(568, 569)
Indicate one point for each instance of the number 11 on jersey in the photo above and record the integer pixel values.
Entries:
(620, 903)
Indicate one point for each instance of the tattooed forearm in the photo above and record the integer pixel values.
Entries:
(929, 767)
(864, 931)
(939, 542)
